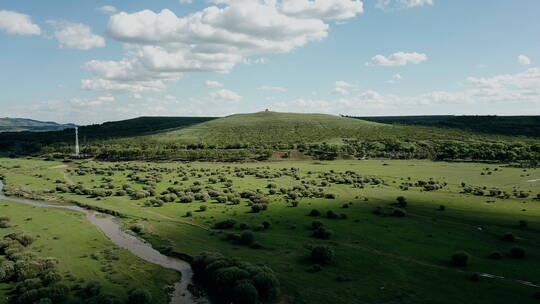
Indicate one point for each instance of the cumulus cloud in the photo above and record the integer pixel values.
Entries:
(17, 24)
(226, 95)
(504, 90)
(107, 9)
(213, 84)
(401, 4)
(524, 60)
(218, 38)
(271, 88)
(397, 59)
(342, 87)
(76, 36)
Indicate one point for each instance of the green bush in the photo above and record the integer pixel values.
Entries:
(314, 212)
(460, 258)
(139, 296)
(322, 255)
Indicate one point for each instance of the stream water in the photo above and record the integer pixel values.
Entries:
(113, 230)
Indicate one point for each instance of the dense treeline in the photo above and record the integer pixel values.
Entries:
(32, 142)
(503, 125)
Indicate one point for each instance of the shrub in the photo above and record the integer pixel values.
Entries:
(247, 238)
(495, 255)
(226, 224)
(189, 214)
(245, 293)
(517, 252)
(92, 288)
(523, 224)
(266, 224)
(331, 214)
(139, 296)
(137, 228)
(4, 222)
(442, 207)
(256, 208)
(243, 226)
(322, 255)
(509, 237)
(399, 212)
(314, 212)
(401, 201)
(460, 258)
(294, 204)
(202, 208)
(322, 233)
(330, 196)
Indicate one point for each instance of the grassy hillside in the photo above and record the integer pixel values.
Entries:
(504, 125)
(259, 135)
(268, 128)
(22, 124)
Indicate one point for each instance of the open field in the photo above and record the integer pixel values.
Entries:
(378, 258)
(84, 254)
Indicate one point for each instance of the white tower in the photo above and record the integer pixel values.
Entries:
(76, 141)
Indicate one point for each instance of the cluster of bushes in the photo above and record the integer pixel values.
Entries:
(233, 281)
(35, 278)
(320, 231)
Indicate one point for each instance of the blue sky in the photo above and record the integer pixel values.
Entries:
(93, 61)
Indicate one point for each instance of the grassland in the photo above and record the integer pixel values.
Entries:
(84, 254)
(379, 258)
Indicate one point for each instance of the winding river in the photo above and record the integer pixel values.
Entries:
(112, 228)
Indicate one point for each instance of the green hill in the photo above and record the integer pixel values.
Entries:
(269, 128)
(23, 124)
(264, 135)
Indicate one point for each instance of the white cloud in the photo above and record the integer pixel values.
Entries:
(17, 24)
(271, 88)
(108, 9)
(120, 86)
(401, 4)
(76, 36)
(524, 60)
(344, 84)
(323, 9)
(505, 91)
(218, 38)
(395, 79)
(213, 84)
(186, 1)
(340, 91)
(226, 95)
(397, 59)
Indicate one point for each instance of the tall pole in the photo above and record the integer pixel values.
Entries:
(76, 141)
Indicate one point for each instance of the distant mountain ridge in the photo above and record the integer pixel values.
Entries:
(8, 124)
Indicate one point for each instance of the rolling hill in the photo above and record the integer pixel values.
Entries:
(269, 128)
(23, 124)
(259, 136)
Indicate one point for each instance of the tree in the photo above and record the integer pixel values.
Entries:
(245, 293)
(139, 296)
(322, 255)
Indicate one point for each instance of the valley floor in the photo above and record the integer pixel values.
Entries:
(379, 257)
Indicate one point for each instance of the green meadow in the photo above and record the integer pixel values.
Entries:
(384, 252)
(85, 256)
